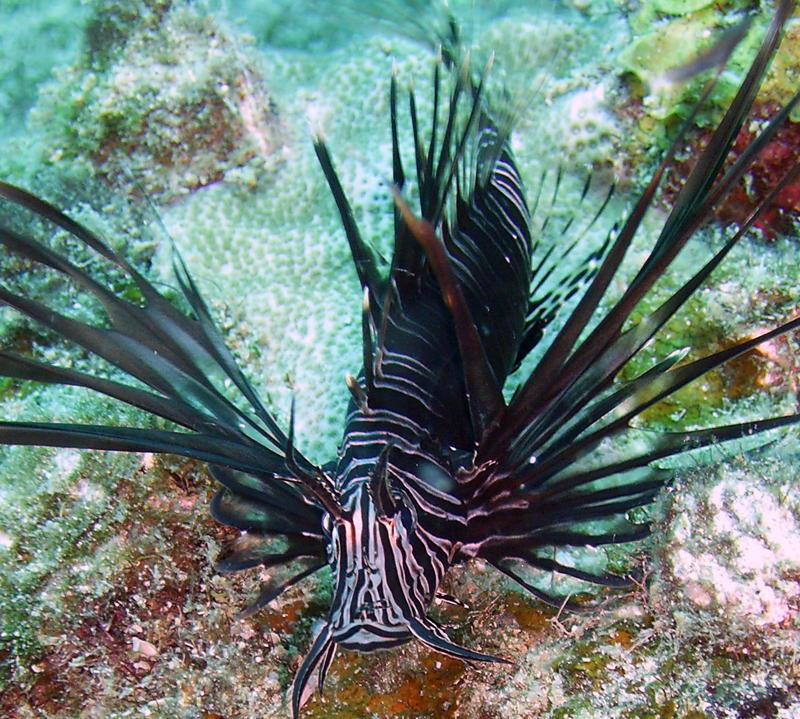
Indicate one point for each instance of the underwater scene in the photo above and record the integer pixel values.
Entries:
(444, 354)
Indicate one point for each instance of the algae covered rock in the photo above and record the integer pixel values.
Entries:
(164, 93)
(668, 35)
(680, 7)
(35, 36)
(116, 610)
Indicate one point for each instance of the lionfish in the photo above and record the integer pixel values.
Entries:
(435, 467)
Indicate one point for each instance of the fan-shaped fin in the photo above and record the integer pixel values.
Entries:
(325, 664)
(181, 358)
(363, 255)
(558, 368)
(203, 447)
(483, 392)
(274, 492)
(190, 348)
(552, 286)
(19, 367)
(552, 600)
(604, 579)
(234, 510)
(602, 370)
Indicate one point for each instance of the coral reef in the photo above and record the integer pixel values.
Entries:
(775, 160)
(667, 35)
(60, 542)
(164, 93)
(109, 605)
(559, 69)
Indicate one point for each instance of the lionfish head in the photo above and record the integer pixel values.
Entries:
(386, 571)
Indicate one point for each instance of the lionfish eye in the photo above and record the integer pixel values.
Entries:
(327, 525)
(327, 533)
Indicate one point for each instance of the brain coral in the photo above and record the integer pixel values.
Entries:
(300, 305)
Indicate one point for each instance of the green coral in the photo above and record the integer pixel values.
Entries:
(680, 7)
(739, 300)
(35, 36)
(668, 35)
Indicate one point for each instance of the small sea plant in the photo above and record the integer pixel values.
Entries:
(436, 466)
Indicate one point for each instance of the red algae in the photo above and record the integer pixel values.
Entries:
(776, 159)
(128, 629)
(529, 618)
(282, 621)
(404, 684)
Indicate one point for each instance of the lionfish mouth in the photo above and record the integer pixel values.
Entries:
(368, 637)
(371, 628)
(363, 636)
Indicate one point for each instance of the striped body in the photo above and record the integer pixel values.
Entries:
(388, 568)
